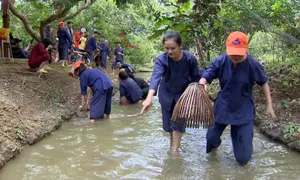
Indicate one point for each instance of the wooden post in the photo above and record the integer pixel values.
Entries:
(5, 12)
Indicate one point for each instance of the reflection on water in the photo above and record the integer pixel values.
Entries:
(134, 146)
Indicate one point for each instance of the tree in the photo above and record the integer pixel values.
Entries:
(63, 10)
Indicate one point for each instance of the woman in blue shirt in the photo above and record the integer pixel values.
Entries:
(173, 70)
(237, 72)
(102, 89)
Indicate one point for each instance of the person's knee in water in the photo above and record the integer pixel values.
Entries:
(234, 104)
(129, 89)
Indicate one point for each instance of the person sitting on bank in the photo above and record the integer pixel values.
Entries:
(39, 55)
(130, 92)
(142, 84)
(127, 67)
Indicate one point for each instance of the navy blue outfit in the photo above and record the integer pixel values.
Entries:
(63, 43)
(91, 46)
(71, 34)
(173, 78)
(119, 58)
(104, 53)
(234, 104)
(126, 67)
(130, 89)
(102, 89)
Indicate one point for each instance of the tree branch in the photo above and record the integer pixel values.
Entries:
(86, 6)
(56, 16)
(25, 22)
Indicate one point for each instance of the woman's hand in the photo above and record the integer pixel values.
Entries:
(146, 105)
(270, 112)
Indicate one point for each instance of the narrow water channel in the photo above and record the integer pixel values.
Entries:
(134, 146)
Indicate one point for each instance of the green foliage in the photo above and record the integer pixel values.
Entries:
(286, 103)
(291, 130)
(19, 133)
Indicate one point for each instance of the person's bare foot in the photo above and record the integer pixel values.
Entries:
(92, 121)
(108, 116)
(173, 153)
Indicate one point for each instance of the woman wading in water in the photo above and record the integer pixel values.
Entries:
(101, 87)
(173, 70)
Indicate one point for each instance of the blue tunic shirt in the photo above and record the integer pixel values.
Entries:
(130, 89)
(234, 104)
(118, 56)
(91, 44)
(173, 77)
(104, 49)
(63, 39)
(95, 79)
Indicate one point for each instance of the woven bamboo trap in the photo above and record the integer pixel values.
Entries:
(194, 108)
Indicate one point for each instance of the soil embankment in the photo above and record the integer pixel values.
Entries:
(31, 107)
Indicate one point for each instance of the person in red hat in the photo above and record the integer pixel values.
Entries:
(64, 41)
(237, 72)
(101, 86)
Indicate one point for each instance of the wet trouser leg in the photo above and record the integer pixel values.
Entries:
(242, 136)
(168, 124)
(98, 105)
(108, 93)
(213, 136)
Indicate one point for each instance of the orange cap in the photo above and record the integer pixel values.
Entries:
(237, 44)
(74, 67)
(61, 22)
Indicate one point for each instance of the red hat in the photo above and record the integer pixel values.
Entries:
(74, 67)
(237, 44)
(61, 22)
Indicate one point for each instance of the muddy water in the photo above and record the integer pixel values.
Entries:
(133, 146)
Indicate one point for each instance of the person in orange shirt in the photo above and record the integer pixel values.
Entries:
(77, 37)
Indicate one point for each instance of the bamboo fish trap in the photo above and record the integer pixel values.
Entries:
(194, 108)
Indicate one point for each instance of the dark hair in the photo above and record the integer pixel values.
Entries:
(81, 68)
(70, 22)
(130, 75)
(123, 75)
(173, 35)
(96, 32)
(102, 36)
(47, 42)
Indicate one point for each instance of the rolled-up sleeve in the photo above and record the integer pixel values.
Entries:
(156, 74)
(213, 71)
(260, 75)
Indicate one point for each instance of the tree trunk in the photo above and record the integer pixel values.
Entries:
(199, 49)
(42, 31)
(5, 12)
(208, 54)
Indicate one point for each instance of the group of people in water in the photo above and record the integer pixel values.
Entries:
(173, 71)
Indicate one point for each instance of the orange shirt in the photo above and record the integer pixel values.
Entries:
(77, 39)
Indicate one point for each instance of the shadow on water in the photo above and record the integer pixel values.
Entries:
(134, 146)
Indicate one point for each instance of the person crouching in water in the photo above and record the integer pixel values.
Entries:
(142, 84)
(130, 92)
(102, 89)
